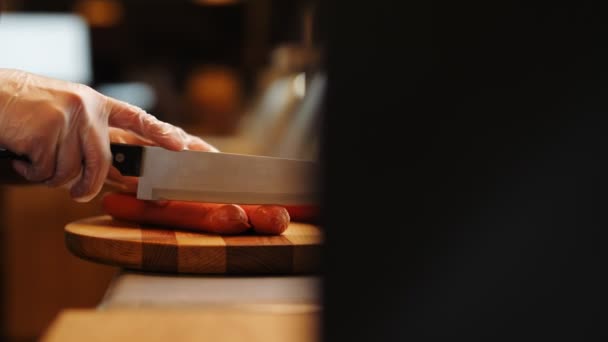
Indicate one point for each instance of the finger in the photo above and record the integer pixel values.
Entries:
(117, 186)
(42, 165)
(126, 116)
(20, 167)
(119, 135)
(70, 183)
(198, 144)
(97, 159)
(124, 183)
(69, 162)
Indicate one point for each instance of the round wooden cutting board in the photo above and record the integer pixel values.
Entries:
(119, 243)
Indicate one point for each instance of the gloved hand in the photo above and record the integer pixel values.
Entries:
(63, 128)
(129, 184)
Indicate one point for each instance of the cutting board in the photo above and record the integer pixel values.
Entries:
(158, 249)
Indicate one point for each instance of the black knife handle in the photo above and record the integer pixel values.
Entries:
(6, 154)
(125, 157)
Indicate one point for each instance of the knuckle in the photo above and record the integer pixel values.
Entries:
(57, 117)
(74, 100)
(83, 91)
(81, 96)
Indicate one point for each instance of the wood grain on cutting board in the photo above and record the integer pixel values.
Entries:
(105, 240)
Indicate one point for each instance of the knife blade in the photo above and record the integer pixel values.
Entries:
(212, 176)
(216, 176)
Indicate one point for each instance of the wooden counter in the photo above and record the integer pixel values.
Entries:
(142, 290)
(161, 307)
(40, 277)
(183, 326)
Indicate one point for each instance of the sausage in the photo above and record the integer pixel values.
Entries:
(267, 219)
(303, 213)
(226, 219)
(205, 217)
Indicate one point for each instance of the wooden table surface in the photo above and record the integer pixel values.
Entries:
(142, 306)
(181, 325)
(131, 289)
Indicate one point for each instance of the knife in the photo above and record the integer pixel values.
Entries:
(215, 177)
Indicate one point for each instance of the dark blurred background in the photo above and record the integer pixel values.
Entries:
(199, 63)
(465, 171)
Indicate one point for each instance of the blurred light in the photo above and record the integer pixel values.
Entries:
(136, 93)
(214, 89)
(48, 44)
(299, 85)
(215, 2)
(100, 13)
(275, 97)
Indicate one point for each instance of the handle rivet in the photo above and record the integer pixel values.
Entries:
(119, 157)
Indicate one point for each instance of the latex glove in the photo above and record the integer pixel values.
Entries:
(129, 184)
(63, 128)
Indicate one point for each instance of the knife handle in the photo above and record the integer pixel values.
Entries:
(6, 154)
(125, 157)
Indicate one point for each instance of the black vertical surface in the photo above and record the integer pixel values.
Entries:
(464, 170)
